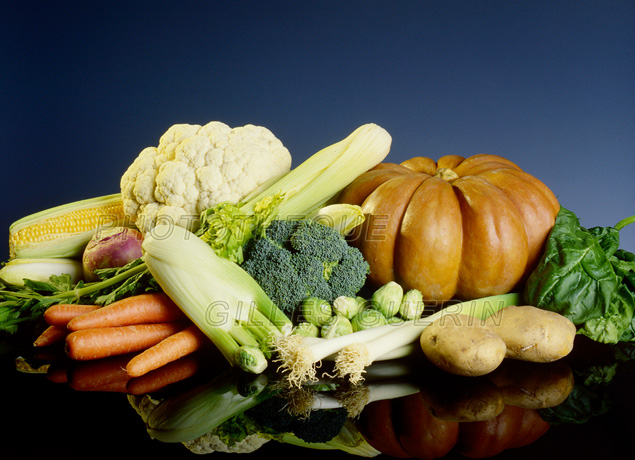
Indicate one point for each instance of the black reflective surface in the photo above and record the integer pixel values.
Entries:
(45, 418)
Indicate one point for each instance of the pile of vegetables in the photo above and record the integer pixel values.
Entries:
(217, 251)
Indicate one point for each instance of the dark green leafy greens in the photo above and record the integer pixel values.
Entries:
(584, 276)
(592, 394)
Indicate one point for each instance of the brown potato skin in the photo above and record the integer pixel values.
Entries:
(462, 345)
(533, 334)
(456, 398)
(533, 385)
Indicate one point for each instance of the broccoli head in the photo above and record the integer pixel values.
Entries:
(319, 426)
(273, 269)
(300, 259)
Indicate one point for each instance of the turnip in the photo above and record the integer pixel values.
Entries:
(111, 248)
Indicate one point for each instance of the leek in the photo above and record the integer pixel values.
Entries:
(354, 399)
(301, 355)
(217, 295)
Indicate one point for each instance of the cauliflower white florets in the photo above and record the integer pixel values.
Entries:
(195, 167)
(209, 443)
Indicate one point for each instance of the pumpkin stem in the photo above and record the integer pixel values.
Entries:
(446, 174)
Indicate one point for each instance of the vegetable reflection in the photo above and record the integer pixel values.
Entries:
(424, 410)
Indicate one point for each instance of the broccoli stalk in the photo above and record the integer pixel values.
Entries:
(295, 260)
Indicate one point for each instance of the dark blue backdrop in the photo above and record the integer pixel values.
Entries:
(84, 86)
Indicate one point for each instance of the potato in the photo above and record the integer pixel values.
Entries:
(533, 385)
(457, 398)
(462, 345)
(533, 334)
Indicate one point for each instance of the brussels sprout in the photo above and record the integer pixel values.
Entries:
(316, 311)
(394, 320)
(336, 326)
(346, 306)
(362, 302)
(368, 318)
(306, 329)
(411, 305)
(387, 299)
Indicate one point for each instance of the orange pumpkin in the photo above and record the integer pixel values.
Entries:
(460, 227)
(405, 428)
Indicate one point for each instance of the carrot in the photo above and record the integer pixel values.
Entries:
(85, 375)
(61, 314)
(157, 379)
(57, 373)
(170, 349)
(102, 342)
(120, 386)
(138, 309)
(50, 336)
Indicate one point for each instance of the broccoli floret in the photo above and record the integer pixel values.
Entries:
(321, 425)
(272, 415)
(300, 259)
(280, 231)
(313, 273)
(349, 275)
(318, 240)
(273, 269)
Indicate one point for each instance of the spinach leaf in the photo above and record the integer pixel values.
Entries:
(584, 276)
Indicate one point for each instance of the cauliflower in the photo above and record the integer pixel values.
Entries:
(196, 167)
(210, 442)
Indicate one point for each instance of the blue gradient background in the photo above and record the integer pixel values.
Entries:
(85, 86)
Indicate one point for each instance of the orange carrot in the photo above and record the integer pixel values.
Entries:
(170, 349)
(86, 375)
(138, 309)
(57, 373)
(61, 314)
(157, 379)
(102, 342)
(50, 336)
(120, 386)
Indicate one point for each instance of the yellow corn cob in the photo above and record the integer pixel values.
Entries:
(64, 231)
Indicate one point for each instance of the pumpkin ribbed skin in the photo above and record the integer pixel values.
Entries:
(458, 228)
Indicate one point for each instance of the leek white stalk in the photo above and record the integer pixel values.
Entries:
(401, 352)
(355, 357)
(299, 356)
(223, 300)
(356, 398)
